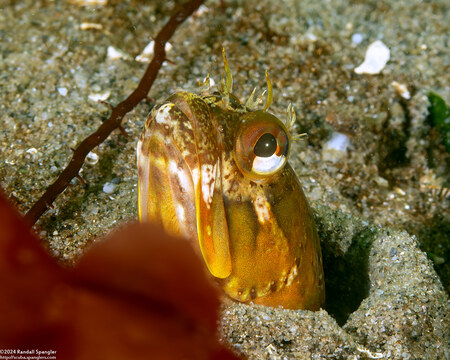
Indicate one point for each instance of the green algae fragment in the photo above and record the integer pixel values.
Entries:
(439, 113)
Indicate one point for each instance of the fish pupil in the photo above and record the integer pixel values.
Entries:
(266, 145)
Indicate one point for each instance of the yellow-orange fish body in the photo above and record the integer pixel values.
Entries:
(216, 172)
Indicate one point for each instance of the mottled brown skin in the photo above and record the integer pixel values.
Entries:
(257, 235)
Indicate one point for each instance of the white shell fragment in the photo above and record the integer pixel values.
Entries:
(32, 151)
(202, 10)
(99, 96)
(89, 2)
(401, 90)
(335, 148)
(91, 26)
(339, 142)
(62, 91)
(311, 37)
(211, 82)
(92, 158)
(147, 53)
(116, 54)
(377, 56)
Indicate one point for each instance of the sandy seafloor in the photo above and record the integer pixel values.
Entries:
(377, 204)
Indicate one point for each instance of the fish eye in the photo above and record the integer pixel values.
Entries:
(266, 145)
(262, 145)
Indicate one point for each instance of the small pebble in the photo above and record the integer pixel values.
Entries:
(109, 188)
(357, 38)
(62, 91)
(392, 252)
(402, 90)
(381, 181)
(116, 180)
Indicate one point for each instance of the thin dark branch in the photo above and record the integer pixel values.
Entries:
(115, 119)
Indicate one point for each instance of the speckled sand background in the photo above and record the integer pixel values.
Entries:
(384, 295)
